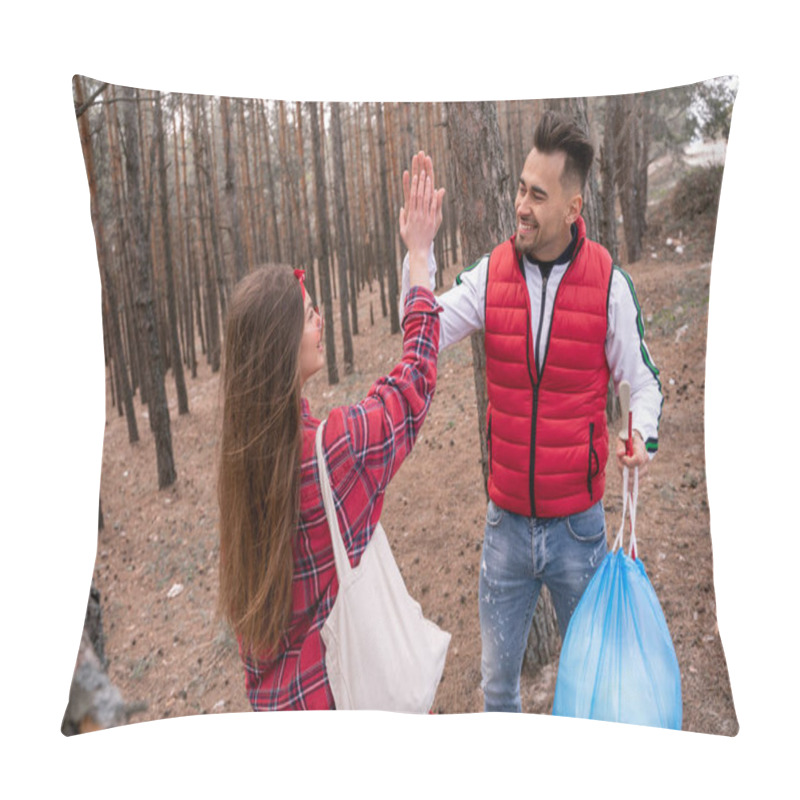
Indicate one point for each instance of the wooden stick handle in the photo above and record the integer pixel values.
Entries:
(625, 406)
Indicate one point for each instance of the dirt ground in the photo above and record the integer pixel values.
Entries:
(157, 554)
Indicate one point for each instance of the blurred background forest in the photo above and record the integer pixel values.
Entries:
(190, 192)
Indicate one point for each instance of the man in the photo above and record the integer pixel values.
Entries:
(559, 319)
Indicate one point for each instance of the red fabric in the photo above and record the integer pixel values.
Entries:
(553, 424)
(364, 445)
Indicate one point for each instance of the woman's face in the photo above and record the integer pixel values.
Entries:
(312, 351)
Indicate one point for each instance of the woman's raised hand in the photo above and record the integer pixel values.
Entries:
(421, 214)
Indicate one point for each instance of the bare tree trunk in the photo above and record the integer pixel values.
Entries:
(107, 282)
(608, 161)
(275, 244)
(121, 370)
(306, 221)
(108, 359)
(322, 243)
(177, 363)
(245, 181)
(339, 189)
(230, 190)
(159, 412)
(485, 219)
(365, 273)
(377, 238)
(456, 246)
(484, 215)
(287, 183)
(387, 237)
(202, 163)
(633, 145)
(431, 139)
(327, 163)
(608, 166)
(129, 343)
(215, 214)
(182, 202)
(352, 260)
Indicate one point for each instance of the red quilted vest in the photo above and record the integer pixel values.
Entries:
(547, 433)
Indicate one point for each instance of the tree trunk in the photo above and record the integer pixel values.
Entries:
(306, 221)
(633, 140)
(287, 183)
(181, 203)
(352, 261)
(246, 193)
(215, 226)
(177, 362)
(376, 239)
(275, 243)
(159, 411)
(119, 357)
(365, 274)
(484, 215)
(230, 190)
(107, 283)
(94, 702)
(129, 343)
(608, 161)
(260, 235)
(339, 190)
(322, 244)
(387, 238)
(485, 219)
(202, 164)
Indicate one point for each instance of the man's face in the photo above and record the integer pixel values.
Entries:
(545, 209)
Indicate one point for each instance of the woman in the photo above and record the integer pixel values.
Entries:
(277, 571)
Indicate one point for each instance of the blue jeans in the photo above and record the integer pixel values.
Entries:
(519, 554)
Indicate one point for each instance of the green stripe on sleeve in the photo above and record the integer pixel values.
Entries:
(640, 326)
(468, 269)
(651, 445)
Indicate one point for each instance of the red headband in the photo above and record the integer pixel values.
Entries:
(300, 274)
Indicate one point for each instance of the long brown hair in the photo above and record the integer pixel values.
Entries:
(258, 484)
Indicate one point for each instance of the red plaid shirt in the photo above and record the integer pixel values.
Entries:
(364, 445)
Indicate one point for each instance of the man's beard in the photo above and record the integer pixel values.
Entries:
(524, 249)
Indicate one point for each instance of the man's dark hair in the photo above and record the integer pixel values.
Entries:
(559, 132)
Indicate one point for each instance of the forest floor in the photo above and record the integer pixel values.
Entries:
(157, 553)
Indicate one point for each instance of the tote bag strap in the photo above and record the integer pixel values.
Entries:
(339, 551)
(634, 498)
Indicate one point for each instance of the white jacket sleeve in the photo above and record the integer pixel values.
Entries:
(463, 306)
(629, 359)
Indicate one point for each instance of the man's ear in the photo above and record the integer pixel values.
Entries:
(574, 208)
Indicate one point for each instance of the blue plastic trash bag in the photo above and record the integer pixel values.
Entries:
(617, 661)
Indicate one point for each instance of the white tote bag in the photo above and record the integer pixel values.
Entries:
(381, 652)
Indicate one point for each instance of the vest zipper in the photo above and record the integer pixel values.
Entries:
(533, 444)
(539, 371)
(541, 324)
(534, 413)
